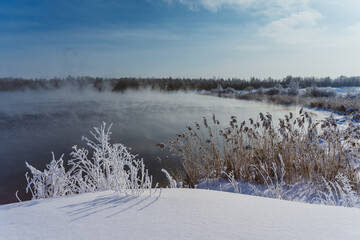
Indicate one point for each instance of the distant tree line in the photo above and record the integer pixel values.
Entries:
(171, 84)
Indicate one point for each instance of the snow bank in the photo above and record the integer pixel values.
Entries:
(175, 214)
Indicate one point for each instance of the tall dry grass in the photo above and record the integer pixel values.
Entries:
(296, 149)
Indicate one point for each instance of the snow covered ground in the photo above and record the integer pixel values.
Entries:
(175, 214)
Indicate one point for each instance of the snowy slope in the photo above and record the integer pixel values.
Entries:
(175, 214)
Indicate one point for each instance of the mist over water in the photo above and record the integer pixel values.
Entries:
(35, 123)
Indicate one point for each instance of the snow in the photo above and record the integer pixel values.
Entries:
(175, 214)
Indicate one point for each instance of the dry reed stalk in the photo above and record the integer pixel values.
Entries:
(310, 151)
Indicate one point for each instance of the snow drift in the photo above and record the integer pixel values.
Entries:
(175, 214)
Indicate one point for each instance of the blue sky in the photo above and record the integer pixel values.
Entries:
(179, 38)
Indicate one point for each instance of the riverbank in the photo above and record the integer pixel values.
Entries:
(342, 100)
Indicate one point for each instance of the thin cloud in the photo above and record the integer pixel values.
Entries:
(296, 29)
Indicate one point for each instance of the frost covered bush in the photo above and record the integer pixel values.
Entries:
(109, 167)
(293, 88)
(315, 92)
(52, 182)
(339, 192)
(272, 91)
